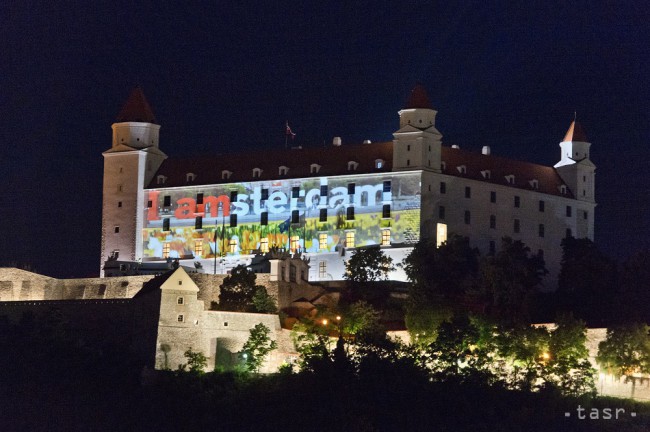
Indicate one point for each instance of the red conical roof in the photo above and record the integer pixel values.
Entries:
(136, 109)
(575, 133)
(418, 98)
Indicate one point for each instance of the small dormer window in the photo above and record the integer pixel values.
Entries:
(563, 189)
(314, 168)
(486, 174)
(510, 179)
(534, 183)
(257, 172)
(190, 177)
(379, 163)
(225, 174)
(352, 165)
(283, 170)
(462, 169)
(161, 179)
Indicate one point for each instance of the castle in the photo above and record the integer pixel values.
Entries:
(219, 211)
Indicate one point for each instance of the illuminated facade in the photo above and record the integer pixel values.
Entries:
(219, 211)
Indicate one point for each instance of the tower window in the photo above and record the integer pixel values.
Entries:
(295, 244)
(492, 247)
(119, 203)
(441, 212)
(385, 211)
(323, 215)
(180, 300)
(468, 192)
(540, 230)
(468, 217)
(351, 188)
(233, 246)
(387, 186)
(117, 230)
(568, 233)
(180, 318)
(493, 197)
(586, 215)
(517, 226)
(323, 190)
(493, 222)
(517, 201)
(541, 206)
(568, 211)
(443, 187)
(408, 147)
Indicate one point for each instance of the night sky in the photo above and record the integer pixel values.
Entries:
(227, 75)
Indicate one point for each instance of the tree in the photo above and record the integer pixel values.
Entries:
(368, 265)
(361, 319)
(238, 290)
(635, 286)
(625, 351)
(263, 302)
(509, 280)
(196, 361)
(257, 347)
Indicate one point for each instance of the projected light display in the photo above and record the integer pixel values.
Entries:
(313, 215)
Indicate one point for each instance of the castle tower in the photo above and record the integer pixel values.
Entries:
(417, 143)
(129, 166)
(575, 167)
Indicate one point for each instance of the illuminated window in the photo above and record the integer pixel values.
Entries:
(264, 245)
(322, 241)
(198, 247)
(165, 250)
(233, 246)
(441, 234)
(379, 163)
(385, 237)
(349, 239)
(322, 269)
(295, 243)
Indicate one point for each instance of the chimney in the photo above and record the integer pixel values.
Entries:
(486, 150)
(336, 141)
(455, 146)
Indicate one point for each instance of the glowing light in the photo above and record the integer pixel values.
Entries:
(324, 322)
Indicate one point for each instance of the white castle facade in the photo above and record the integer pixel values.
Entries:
(220, 211)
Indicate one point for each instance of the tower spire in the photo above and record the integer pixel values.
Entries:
(136, 109)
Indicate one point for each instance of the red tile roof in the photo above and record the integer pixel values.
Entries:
(575, 133)
(334, 161)
(136, 109)
(418, 98)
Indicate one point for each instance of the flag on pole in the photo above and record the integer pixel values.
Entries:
(288, 132)
(284, 226)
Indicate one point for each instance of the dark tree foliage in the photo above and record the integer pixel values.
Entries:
(238, 290)
(587, 282)
(635, 287)
(509, 280)
(367, 265)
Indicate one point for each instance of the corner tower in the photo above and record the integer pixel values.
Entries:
(417, 143)
(129, 165)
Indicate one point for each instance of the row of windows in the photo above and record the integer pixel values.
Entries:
(294, 243)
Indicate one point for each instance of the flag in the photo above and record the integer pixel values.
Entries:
(289, 132)
(284, 226)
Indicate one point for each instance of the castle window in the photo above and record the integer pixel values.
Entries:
(233, 246)
(586, 215)
(198, 223)
(180, 318)
(117, 230)
(352, 165)
(295, 217)
(322, 241)
(385, 237)
(257, 172)
(350, 213)
(295, 244)
(351, 188)
(180, 300)
(493, 197)
(517, 201)
(486, 174)
(408, 162)
(323, 190)
(462, 169)
(166, 224)
(569, 211)
(165, 250)
(119, 203)
(441, 234)
(225, 323)
(233, 196)
(493, 247)
(563, 189)
(510, 179)
(167, 201)
(314, 168)
(119, 188)
(349, 239)
(517, 226)
(385, 211)
(468, 192)
(541, 206)
(265, 194)
(121, 170)
(379, 163)
(387, 186)
(283, 170)
(322, 217)
(493, 222)
(534, 184)
(161, 179)
(190, 177)
(441, 212)
(264, 218)
(540, 230)
(199, 198)
(225, 174)
(468, 217)
(264, 245)
(198, 248)
(322, 269)
(149, 204)
(233, 220)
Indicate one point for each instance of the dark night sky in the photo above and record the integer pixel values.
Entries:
(226, 75)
